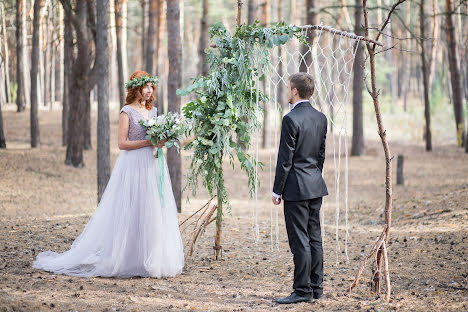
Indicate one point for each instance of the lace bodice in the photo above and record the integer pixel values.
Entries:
(135, 130)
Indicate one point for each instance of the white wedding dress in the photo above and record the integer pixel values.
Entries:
(131, 233)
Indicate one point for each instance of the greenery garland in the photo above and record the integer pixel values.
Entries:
(225, 103)
(141, 81)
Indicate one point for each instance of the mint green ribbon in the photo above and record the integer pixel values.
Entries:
(161, 175)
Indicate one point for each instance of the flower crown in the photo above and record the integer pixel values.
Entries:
(141, 81)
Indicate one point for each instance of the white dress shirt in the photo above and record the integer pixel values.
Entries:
(294, 105)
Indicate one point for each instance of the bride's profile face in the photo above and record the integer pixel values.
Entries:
(147, 90)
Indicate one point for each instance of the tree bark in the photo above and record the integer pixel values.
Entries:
(67, 70)
(82, 80)
(151, 35)
(174, 82)
(46, 55)
(311, 19)
(144, 27)
(103, 132)
(2, 133)
(252, 11)
(425, 73)
(5, 56)
(280, 96)
(160, 68)
(35, 142)
(203, 64)
(20, 81)
(357, 145)
(455, 75)
(120, 47)
(265, 20)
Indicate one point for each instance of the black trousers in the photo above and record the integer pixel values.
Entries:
(305, 240)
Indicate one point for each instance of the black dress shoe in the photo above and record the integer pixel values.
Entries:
(294, 298)
(317, 295)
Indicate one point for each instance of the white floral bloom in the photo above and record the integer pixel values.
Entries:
(151, 122)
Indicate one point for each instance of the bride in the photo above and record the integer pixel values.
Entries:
(131, 232)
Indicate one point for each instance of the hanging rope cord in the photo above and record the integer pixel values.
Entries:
(332, 54)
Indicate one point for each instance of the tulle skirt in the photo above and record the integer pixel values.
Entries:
(131, 232)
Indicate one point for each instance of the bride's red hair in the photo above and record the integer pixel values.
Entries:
(136, 93)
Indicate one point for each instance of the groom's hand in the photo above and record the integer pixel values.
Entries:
(276, 200)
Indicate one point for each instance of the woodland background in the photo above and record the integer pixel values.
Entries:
(58, 144)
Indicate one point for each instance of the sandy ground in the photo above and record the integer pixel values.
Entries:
(44, 205)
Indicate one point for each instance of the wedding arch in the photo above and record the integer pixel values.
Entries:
(247, 72)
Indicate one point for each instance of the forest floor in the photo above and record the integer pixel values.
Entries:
(44, 205)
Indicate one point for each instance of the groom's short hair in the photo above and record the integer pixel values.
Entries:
(304, 83)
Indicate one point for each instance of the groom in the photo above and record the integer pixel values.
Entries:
(298, 180)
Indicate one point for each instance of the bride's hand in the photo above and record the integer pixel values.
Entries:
(161, 143)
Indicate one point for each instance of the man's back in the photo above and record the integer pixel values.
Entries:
(303, 135)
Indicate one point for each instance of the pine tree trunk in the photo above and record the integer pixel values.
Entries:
(252, 11)
(46, 44)
(120, 47)
(87, 144)
(144, 27)
(425, 73)
(151, 35)
(103, 131)
(280, 96)
(81, 83)
(3, 70)
(6, 56)
(202, 63)
(174, 82)
(157, 54)
(67, 70)
(357, 145)
(407, 59)
(265, 20)
(35, 142)
(455, 76)
(20, 81)
(2, 133)
(311, 19)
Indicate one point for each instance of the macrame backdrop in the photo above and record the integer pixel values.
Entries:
(330, 61)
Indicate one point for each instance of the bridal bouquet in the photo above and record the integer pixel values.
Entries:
(168, 127)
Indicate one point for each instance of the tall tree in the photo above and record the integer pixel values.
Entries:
(150, 37)
(2, 32)
(157, 55)
(174, 82)
(102, 61)
(35, 142)
(311, 19)
(357, 145)
(455, 75)
(20, 81)
(83, 77)
(67, 72)
(2, 133)
(265, 20)
(144, 26)
(203, 64)
(120, 6)
(252, 11)
(47, 29)
(5, 54)
(425, 74)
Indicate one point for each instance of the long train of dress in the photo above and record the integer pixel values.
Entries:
(131, 233)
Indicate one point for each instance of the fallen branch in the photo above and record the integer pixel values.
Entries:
(377, 245)
(198, 229)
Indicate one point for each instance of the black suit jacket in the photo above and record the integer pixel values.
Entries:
(301, 154)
